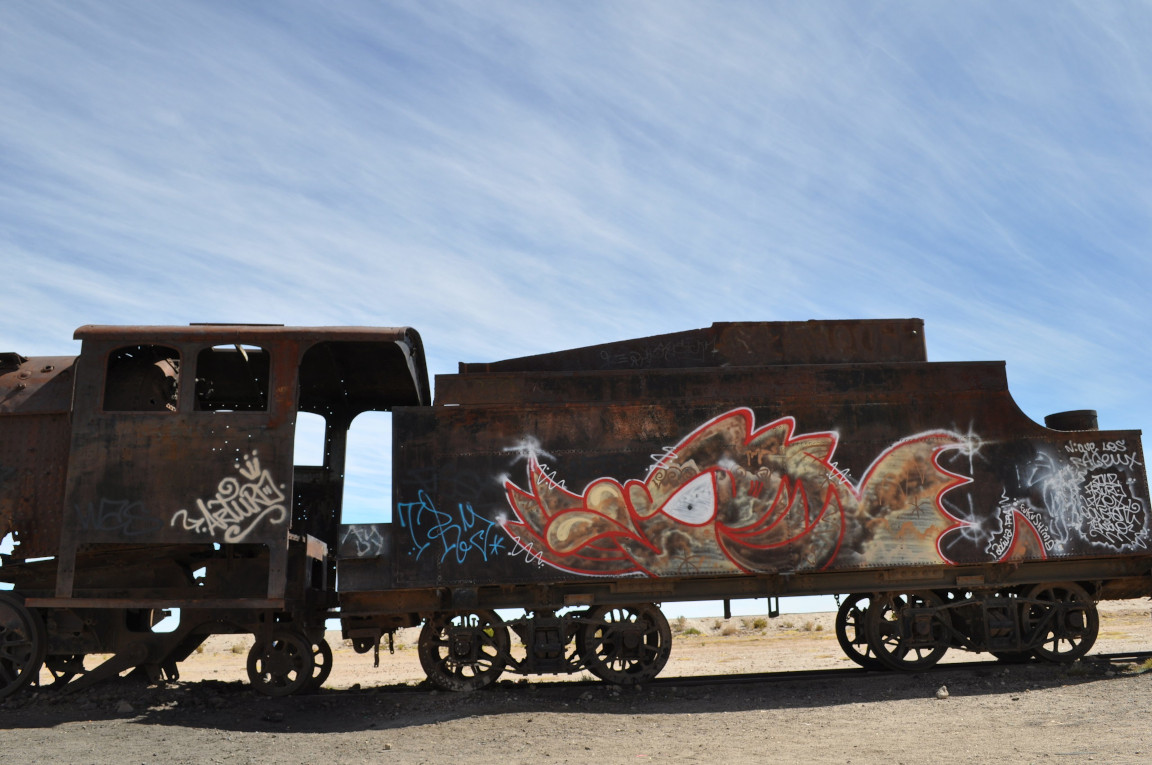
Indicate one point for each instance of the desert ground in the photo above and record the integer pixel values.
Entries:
(958, 713)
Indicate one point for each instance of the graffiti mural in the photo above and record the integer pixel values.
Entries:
(731, 497)
(239, 507)
(460, 535)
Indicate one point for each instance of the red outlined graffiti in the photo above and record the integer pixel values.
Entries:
(731, 497)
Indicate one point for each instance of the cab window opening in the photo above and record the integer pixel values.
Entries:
(232, 378)
(142, 378)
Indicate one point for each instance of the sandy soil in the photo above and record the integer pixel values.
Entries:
(990, 713)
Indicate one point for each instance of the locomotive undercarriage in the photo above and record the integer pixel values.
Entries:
(1053, 621)
(621, 644)
(108, 628)
(286, 657)
(468, 649)
(628, 644)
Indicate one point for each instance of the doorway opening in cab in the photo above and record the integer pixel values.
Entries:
(367, 475)
(368, 469)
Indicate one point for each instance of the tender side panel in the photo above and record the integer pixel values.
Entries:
(790, 472)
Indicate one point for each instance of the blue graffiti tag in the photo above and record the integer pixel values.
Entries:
(461, 533)
(128, 519)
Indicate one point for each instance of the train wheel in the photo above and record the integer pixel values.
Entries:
(464, 651)
(22, 644)
(321, 663)
(1064, 620)
(625, 645)
(851, 632)
(908, 632)
(282, 666)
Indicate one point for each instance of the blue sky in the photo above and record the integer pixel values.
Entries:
(512, 178)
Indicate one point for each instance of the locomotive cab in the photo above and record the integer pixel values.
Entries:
(181, 489)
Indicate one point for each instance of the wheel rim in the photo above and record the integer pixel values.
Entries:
(22, 644)
(1062, 620)
(284, 667)
(321, 662)
(903, 640)
(851, 632)
(625, 644)
(464, 651)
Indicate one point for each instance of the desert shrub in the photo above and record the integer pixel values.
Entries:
(760, 623)
(729, 629)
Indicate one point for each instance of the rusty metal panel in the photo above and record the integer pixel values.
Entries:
(36, 386)
(152, 480)
(33, 464)
(35, 398)
(795, 470)
(738, 344)
(814, 383)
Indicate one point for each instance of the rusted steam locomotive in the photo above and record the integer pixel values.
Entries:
(156, 471)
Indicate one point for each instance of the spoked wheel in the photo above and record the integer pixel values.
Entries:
(321, 663)
(282, 666)
(851, 632)
(908, 631)
(464, 651)
(22, 644)
(1064, 621)
(62, 668)
(625, 645)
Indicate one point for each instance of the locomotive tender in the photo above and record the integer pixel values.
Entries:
(156, 471)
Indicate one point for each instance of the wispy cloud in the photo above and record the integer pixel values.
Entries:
(515, 177)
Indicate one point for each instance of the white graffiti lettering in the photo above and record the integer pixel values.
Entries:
(1086, 496)
(1009, 510)
(999, 544)
(1116, 517)
(1114, 455)
(238, 508)
(365, 540)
